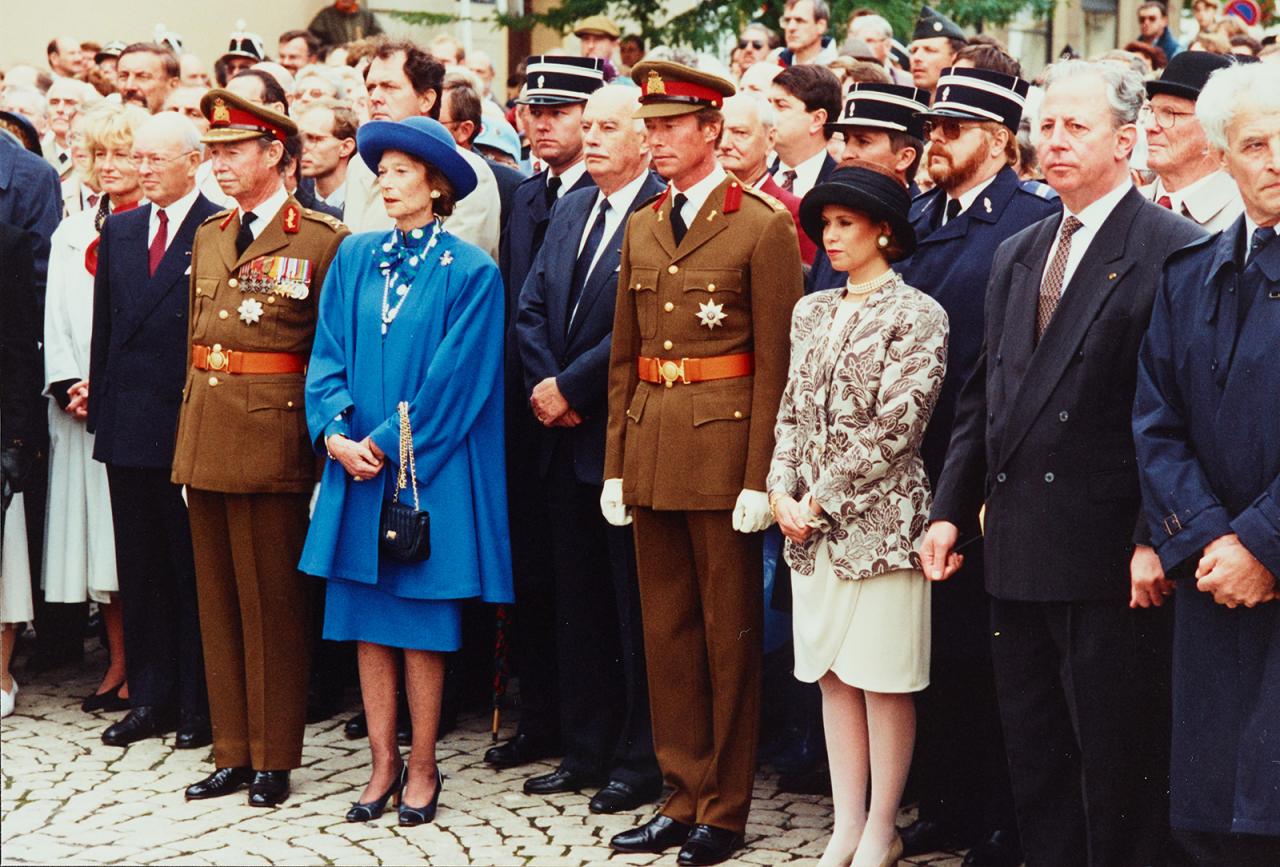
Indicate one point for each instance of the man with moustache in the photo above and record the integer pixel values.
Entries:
(754, 44)
(556, 91)
(66, 59)
(1190, 179)
(976, 204)
(1042, 440)
(146, 74)
(709, 273)
(934, 44)
(64, 100)
(136, 371)
(298, 48)
(563, 330)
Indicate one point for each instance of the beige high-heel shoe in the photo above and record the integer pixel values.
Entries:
(895, 852)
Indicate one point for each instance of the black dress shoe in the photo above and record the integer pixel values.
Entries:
(223, 781)
(619, 797)
(356, 728)
(657, 835)
(999, 849)
(193, 732)
(925, 835)
(269, 788)
(520, 750)
(140, 724)
(557, 781)
(708, 844)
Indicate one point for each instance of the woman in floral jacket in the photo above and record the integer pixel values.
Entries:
(849, 491)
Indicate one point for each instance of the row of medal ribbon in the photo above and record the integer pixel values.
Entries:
(279, 275)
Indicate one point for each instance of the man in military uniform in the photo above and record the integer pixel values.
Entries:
(243, 450)
(934, 44)
(709, 273)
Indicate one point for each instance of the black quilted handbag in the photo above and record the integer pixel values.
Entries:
(405, 531)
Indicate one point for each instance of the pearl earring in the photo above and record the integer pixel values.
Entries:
(882, 241)
(435, 194)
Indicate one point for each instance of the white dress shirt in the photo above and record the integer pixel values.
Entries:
(1092, 217)
(176, 213)
(806, 173)
(569, 177)
(968, 198)
(266, 211)
(696, 195)
(620, 203)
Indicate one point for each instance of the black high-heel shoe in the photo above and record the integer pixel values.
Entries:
(370, 810)
(410, 816)
(109, 701)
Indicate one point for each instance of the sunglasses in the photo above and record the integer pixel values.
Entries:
(757, 44)
(950, 128)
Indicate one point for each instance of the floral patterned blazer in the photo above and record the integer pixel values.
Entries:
(850, 425)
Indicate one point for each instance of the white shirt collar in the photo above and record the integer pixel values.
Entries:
(967, 199)
(1201, 199)
(624, 197)
(267, 210)
(569, 177)
(176, 214)
(337, 198)
(1096, 212)
(697, 194)
(806, 173)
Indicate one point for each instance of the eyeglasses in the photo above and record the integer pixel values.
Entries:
(1165, 118)
(1148, 19)
(139, 161)
(757, 44)
(950, 128)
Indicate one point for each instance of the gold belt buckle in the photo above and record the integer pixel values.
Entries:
(671, 372)
(217, 359)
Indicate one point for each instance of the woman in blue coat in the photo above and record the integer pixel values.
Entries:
(409, 315)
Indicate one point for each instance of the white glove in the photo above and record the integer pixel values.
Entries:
(751, 513)
(611, 505)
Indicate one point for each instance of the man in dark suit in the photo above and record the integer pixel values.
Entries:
(22, 409)
(558, 88)
(1042, 436)
(137, 367)
(977, 203)
(806, 98)
(564, 326)
(462, 114)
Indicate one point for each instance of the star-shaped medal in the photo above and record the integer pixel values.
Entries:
(711, 314)
(250, 310)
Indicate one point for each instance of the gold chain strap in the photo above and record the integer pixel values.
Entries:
(406, 456)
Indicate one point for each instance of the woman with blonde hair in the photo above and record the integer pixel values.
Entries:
(80, 551)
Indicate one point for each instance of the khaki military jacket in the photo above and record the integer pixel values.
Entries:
(728, 288)
(247, 433)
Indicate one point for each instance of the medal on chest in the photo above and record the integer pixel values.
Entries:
(284, 276)
(711, 314)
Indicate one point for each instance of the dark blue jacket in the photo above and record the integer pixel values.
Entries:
(138, 353)
(508, 179)
(1168, 44)
(952, 266)
(31, 199)
(579, 357)
(1207, 431)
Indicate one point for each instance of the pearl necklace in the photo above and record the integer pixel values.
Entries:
(862, 290)
(389, 313)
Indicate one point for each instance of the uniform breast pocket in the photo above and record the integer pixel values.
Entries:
(202, 306)
(278, 430)
(644, 297)
(712, 280)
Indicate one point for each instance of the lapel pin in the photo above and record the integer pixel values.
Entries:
(986, 203)
(1111, 276)
(711, 216)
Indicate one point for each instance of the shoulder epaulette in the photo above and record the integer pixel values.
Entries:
(1037, 188)
(218, 215)
(755, 193)
(321, 217)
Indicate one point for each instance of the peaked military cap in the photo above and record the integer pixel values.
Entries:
(234, 118)
(556, 80)
(933, 23)
(979, 94)
(883, 106)
(668, 88)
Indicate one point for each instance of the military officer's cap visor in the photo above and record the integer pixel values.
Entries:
(233, 118)
(670, 89)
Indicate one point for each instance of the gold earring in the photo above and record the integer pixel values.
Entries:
(435, 194)
(882, 241)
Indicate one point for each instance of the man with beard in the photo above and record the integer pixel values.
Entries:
(145, 74)
(977, 203)
(934, 44)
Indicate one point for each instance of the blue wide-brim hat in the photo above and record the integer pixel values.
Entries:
(419, 137)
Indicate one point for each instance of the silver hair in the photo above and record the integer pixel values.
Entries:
(765, 112)
(1125, 90)
(1252, 85)
(19, 98)
(178, 126)
(877, 21)
(324, 73)
(632, 105)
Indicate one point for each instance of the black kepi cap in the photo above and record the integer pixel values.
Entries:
(933, 23)
(883, 106)
(979, 94)
(558, 80)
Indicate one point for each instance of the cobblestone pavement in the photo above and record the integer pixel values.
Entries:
(68, 798)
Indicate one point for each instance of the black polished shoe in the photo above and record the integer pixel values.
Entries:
(520, 750)
(925, 835)
(410, 816)
(109, 701)
(194, 732)
(657, 835)
(367, 811)
(708, 844)
(619, 797)
(223, 781)
(356, 728)
(140, 724)
(558, 781)
(269, 788)
(999, 849)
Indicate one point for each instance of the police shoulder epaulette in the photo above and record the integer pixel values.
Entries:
(1036, 188)
(754, 193)
(321, 217)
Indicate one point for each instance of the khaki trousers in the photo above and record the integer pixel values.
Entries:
(254, 610)
(701, 598)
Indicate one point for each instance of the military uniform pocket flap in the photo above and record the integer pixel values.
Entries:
(712, 280)
(284, 396)
(721, 406)
(644, 280)
(636, 410)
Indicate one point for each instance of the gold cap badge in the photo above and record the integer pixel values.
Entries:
(655, 84)
(220, 112)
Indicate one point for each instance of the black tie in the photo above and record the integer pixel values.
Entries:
(104, 211)
(582, 268)
(678, 228)
(1260, 238)
(244, 237)
(553, 190)
(953, 209)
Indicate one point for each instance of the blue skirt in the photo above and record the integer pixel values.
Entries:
(364, 612)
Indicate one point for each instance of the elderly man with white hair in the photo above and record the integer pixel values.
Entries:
(877, 32)
(1208, 445)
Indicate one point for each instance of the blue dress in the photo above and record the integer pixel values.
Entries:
(443, 354)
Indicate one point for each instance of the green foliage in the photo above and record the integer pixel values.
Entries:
(969, 13)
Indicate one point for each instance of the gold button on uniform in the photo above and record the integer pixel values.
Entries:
(213, 380)
(199, 291)
(668, 307)
(233, 282)
(711, 287)
(672, 269)
(271, 299)
(737, 413)
(289, 404)
(222, 314)
(667, 344)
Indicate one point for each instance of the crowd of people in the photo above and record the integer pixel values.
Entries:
(851, 405)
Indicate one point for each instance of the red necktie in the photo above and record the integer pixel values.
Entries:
(1165, 202)
(156, 251)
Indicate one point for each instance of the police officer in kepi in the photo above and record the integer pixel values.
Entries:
(710, 270)
(243, 450)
